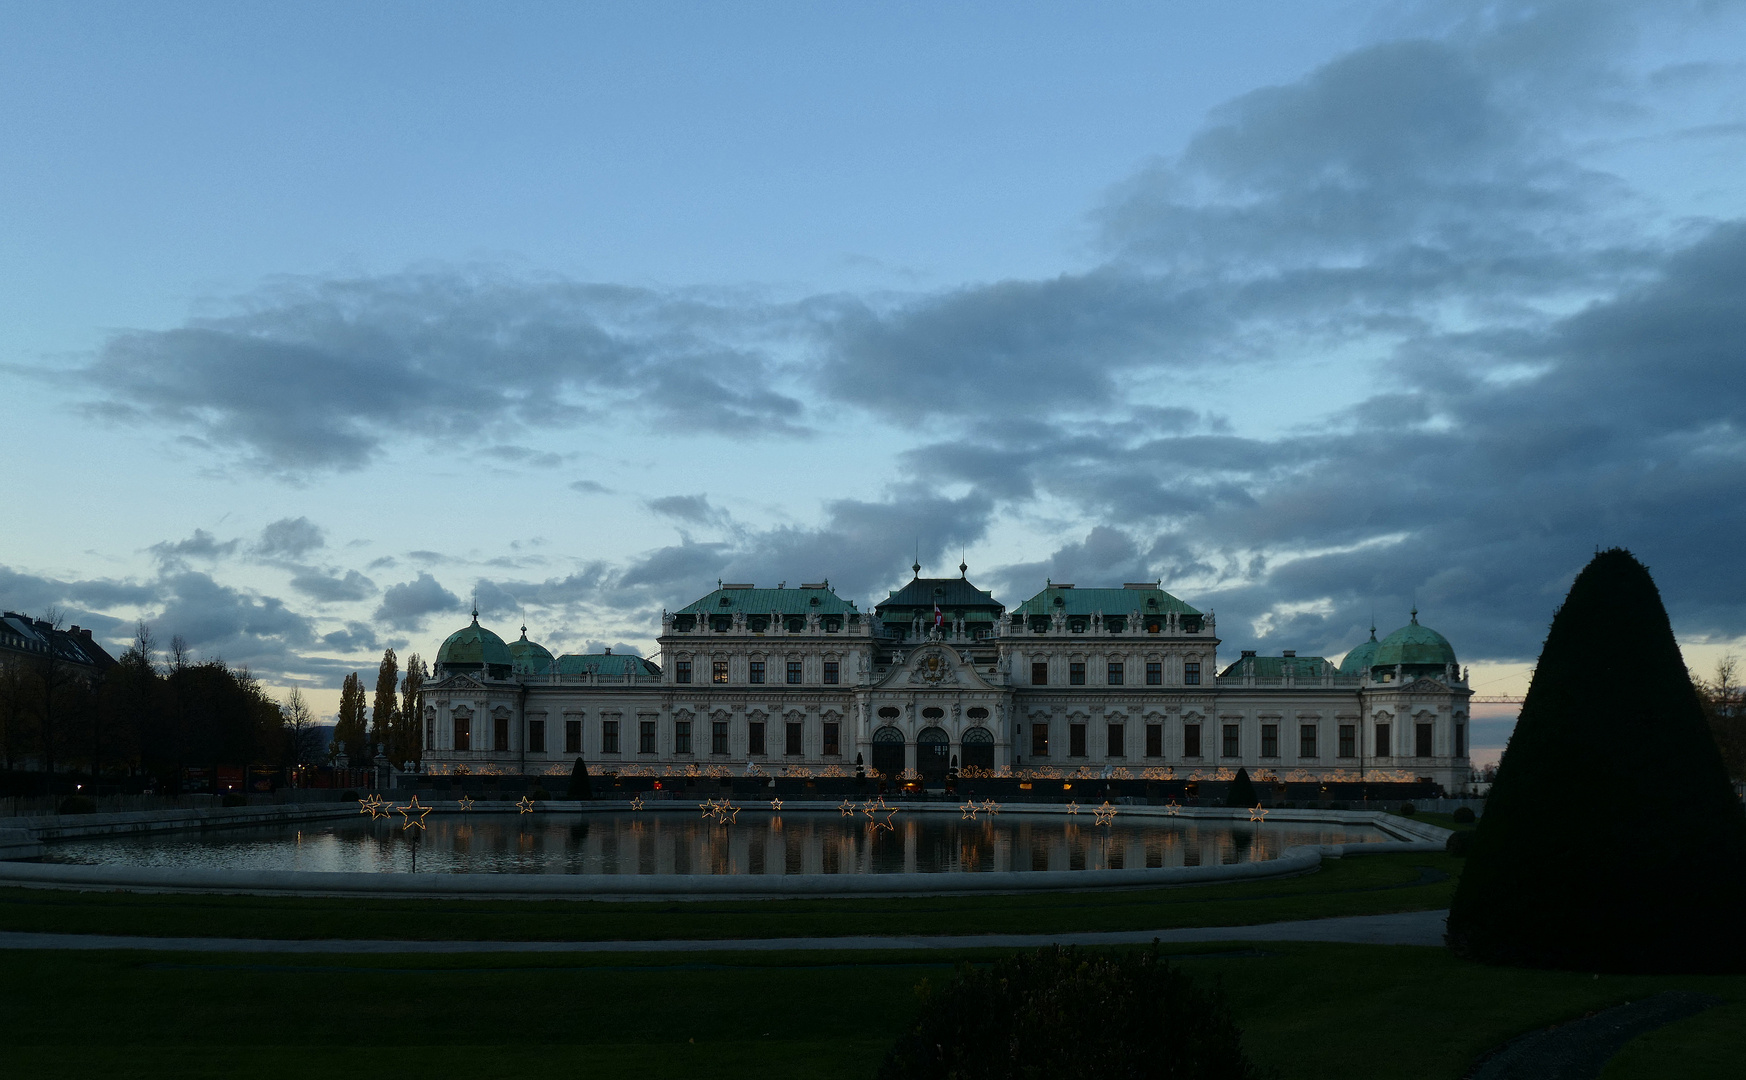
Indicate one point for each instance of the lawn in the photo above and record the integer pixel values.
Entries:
(1356, 886)
(1313, 1011)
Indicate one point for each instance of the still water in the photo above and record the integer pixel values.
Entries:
(754, 842)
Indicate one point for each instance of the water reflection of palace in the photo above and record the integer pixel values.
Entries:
(1122, 682)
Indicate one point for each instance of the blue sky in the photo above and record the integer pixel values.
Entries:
(316, 320)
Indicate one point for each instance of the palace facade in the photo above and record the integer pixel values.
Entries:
(1122, 682)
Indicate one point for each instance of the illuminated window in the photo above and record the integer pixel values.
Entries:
(719, 672)
(463, 733)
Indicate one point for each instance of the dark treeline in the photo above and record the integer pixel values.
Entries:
(145, 715)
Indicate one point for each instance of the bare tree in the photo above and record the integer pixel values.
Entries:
(1724, 702)
(302, 734)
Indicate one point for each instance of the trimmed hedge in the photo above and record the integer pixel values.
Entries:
(581, 788)
(1062, 1014)
(77, 804)
(1242, 791)
(1463, 815)
(1652, 876)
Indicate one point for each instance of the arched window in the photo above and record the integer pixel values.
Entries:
(978, 748)
(888, 751)
(933, 754)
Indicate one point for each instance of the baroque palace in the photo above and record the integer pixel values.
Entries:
(1112, 682)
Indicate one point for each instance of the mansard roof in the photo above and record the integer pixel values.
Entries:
(806, 600)
(24, 634)
(605, 663)
(1146, 598)
(1274, 667)
(950, 593)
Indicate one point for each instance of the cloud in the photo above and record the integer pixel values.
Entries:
(590, 487)
(329, 588)
(405, 605)
(219, 620)
(202, 545)
(290, 538)
(694, 509)
(524, 455)
(311, 374)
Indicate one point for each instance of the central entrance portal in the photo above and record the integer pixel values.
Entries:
(888, 752)
(933, 755)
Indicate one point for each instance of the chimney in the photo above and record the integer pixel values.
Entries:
(1289, 653)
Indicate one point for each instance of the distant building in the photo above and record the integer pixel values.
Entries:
(24, 639)
(1102, 681)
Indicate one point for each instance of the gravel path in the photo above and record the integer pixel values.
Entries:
(1408, 928)
(1579, 1050)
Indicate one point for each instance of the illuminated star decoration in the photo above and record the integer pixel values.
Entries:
(413, 813)
(1171, 808)
(525, 805)
(1257, 813)
(876, 810)
(707, 806)
(776, 805)
(848, 808)
(969, 809)
(637, 802)
(989, 806)
(380, 808)
(1073, 808)
(1105, 813)
(368, 806)
(466, 803)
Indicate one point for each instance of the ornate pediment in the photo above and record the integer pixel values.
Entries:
(933, 667)
(1424, 686)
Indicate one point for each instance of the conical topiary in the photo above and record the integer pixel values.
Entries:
(1612, 840)
(1241, 792)
(580, 786)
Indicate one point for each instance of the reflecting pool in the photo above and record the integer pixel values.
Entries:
(755, 841)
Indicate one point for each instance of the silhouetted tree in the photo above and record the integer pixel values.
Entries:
(1242, 791)
(350, 736)
(580, 786)
(302, 735)
(1612, 839)
(384, 706)
(408, 740)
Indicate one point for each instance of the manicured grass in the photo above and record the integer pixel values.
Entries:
(1313, 1011)
(1442, 821)
(1357, 886)
(1708, 1046)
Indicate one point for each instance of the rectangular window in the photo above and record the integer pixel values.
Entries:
(1076, 673)
(429, 734)
(756, 674)
(1233, 744)
(794, 740)
(1154, 673)
(1191, 740)
(720, 671)
(1115, 673)
(830, 673)
(1075, 740)
(572, 736)
(501, 742)
(1269, 740)
(1306, 742)
(609, 736)
(682, 736)
(1348, 741)
(1191, 673)
(793, 672)
(536, 736)
(682, 671)
(463, 733)
(1422, 737)
(1039, 740)
(1039, 673)
(1154, 740)
(1383, 741)
(646, 737)
(718, 737)
(833, 740)
(1460, 740)
(1114, 746)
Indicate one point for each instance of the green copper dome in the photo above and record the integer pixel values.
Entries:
(1358, 661)
(472, 647)
(530, 657)
(1414, 646)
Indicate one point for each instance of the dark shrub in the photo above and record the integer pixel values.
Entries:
(1651, 878)
(1408, 809)
(1459, 843)
(580, 786)
(77, 804)
(1242, 791)
(348, 795)
(539, 794)
(1463, 815)
(1064, 1014)
(233, 798)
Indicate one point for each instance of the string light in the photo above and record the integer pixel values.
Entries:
(368, 806)
(848, 808)
(707, 806)
(1257, 813)
(776, 805)
(989, 806)
(1073, 808)
(525, 805)
(410, 810)
(636, 802)
(1105, 814)
(874, 810)
(466, 803)
(968, 810)
(1172, 808)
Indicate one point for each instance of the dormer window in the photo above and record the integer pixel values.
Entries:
(727, 601)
